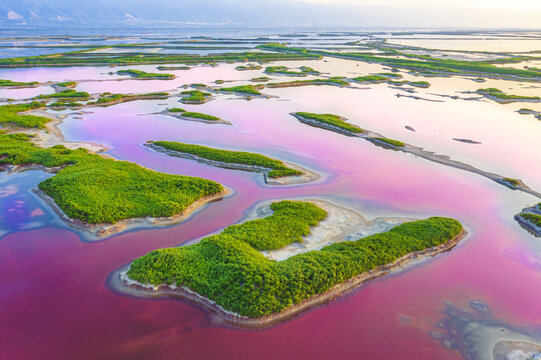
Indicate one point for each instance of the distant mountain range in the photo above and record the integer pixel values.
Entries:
(96, 13)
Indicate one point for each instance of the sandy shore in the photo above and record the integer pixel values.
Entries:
(122, 283)
(100, 231)
(307, 177)
(422, 153)
(52, 135)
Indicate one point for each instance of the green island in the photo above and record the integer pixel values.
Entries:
(165, 68)
(284, 70)
(336, 81)
(195, 97)
(62, 104)
(260, 79)
(9, 115)
(110, 99)
(248, 67)
(145, 75)
(534, 218)
(422, 63)
(530, 219)
(276, 167)
(95, 190)
(228, 269)
(243, 89)
(501, 97)
(4, 82)
(389, 78)
(195, 115)
(334, 121)
(390, 141)
(67, 94)
(525, 111)
(85, 57)
(67, 84)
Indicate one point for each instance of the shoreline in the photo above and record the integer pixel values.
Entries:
(422, 153)
(123, 284)
(307, 177)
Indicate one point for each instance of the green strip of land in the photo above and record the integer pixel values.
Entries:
(145, 75)
(278, 169)
(228, 269)
(84, 57)
(194, 115)
(16, 83)
(96, 190)
(66, 94)
(330, 119)
(243, 89)
(424, 63)
(195, 97)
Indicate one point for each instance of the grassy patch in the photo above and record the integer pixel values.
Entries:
(374, 79)
(248, 67)
(331, 119)
(9, 115)
(162, 68)
(227, 268)
(330, 81)
(284, 70)
(391, 141)
(16, 83)
(67, 84)
(242, 89)
(260, 79)
(194, 97)
(66, 94)
(145, 75)
(95, 189)
(534, 218)
(197, 115)
(511, 181)
(500, 95)
(81, 58)
(278, 169)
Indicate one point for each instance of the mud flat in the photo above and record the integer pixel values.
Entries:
(425, 154)
(121, 282)
(307, 176)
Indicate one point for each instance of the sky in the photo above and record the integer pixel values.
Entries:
(516, 5)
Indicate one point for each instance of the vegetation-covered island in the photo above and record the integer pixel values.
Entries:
(334, 81)
(195, 116)
(145, 75)
(228, 273)
(249, 90)
(284, 70)
(530, 219)
(328, 121)
(92, 190)
(501, 97)
(271, 168)
(195, 97)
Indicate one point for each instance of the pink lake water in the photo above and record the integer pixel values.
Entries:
(55, 301)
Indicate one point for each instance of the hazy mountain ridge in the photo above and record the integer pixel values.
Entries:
(252, 13)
